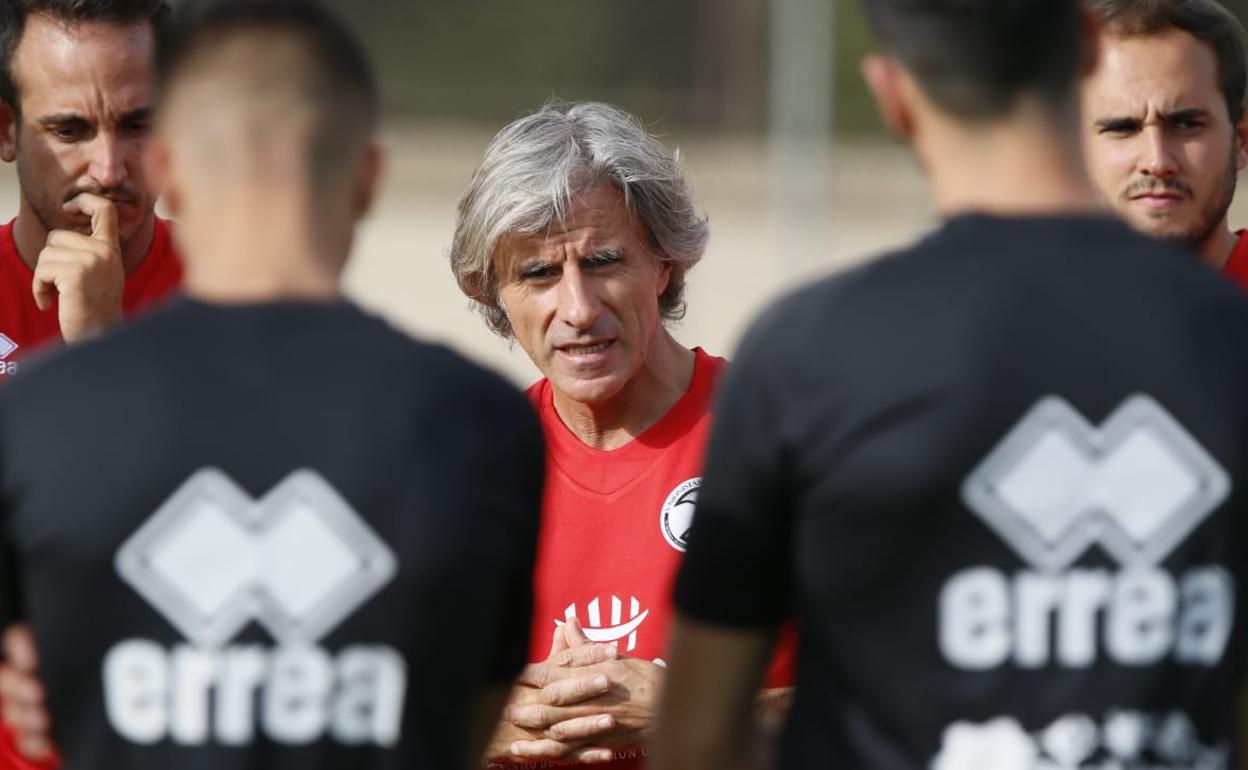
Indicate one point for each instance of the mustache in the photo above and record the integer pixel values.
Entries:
(121, 193)
(1144, 186)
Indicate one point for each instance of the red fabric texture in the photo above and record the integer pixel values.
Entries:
(1236, 267)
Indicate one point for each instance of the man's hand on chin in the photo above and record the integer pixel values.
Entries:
(84, 274)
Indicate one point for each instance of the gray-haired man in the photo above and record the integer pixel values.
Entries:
(574, 239)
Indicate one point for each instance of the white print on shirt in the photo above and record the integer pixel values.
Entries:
(298, 561)
(1053, 488)
(7, 348)
(1137, 616)
(1056, 485)
(676, 515)
(619, 628)
(1122, 740)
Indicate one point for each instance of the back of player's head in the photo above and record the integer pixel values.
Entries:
(256, 80)
(13, 15)
(975, 59)
(1205, 20)
(535, 168)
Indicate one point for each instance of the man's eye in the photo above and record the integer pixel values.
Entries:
(137, 128)
(537, 272)
(68, 133)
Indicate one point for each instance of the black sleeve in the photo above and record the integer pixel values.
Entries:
(736, 570)
(515, 462)
(10, 594)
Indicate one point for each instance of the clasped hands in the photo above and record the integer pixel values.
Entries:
(582, 704)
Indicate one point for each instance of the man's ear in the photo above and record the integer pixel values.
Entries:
(1241, 142)
(883, 76)
(8, 132)
(368, 183)
(665, 277)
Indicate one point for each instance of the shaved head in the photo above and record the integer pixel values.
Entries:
(267, 87)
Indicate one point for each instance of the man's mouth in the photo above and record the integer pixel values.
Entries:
(586, 350)
(118, 197)
(1158, 193)
(1163, 195)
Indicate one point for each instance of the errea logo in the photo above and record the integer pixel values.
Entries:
(296, 562)
(7, 348)
(1056, 486)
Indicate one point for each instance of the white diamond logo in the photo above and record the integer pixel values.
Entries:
(1056, 485)
(298, 561)
(7, 346)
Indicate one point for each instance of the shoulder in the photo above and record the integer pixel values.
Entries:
(538, 392)
(93, 364)
(163, 244)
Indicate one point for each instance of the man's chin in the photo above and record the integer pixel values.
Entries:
(590, 391)
(1164, 227)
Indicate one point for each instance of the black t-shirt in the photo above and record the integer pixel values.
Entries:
(999, 480)
(272, 536)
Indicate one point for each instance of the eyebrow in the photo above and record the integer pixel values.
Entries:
(69, 118)
(1125, 123)
(61, 120)
(1187, 114)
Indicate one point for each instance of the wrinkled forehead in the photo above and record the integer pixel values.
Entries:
(1139, 75)
(92, 69)
(597, 219)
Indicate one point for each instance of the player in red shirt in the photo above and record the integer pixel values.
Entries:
(574, 238)
(86, 248)
(1165, 130)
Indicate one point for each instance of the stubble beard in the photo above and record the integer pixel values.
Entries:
(48, 207)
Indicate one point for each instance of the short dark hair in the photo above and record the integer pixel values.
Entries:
(976, 58)
(1205, 20)
(13, 15)
(337, 56)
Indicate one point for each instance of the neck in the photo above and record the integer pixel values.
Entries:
(663, 379)
(1027, 163)
(1215, 251)
(254, 246)
(30, 235)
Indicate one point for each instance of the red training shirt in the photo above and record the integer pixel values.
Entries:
(1236, 267)
(613, 529)
(24, 327)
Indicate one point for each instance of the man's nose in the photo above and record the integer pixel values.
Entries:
(579, 306)
(1158, 159)
(107, 167)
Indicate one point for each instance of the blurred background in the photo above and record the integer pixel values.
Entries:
(762, 98)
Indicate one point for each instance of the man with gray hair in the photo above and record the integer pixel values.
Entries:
(574, 239)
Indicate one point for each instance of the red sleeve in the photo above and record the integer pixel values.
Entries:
(11, 760)
(783, 669)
